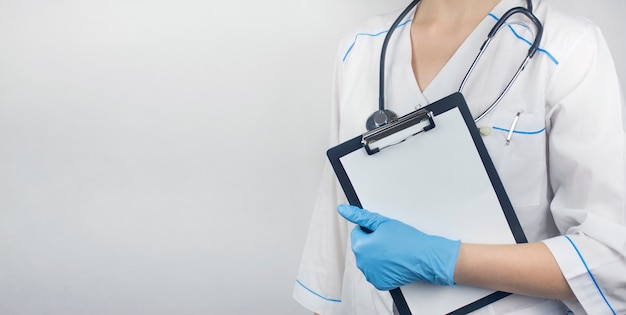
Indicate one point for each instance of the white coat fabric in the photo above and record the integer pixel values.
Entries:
(563, 169)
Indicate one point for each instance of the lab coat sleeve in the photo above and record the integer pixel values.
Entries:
(320, 278)
(586, 161)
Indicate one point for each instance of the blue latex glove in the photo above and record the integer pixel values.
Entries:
(395, 254)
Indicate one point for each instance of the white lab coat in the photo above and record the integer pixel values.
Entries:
(563, 170)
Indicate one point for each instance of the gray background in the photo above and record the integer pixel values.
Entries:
(162, 157)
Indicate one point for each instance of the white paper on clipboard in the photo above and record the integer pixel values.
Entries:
(442, 182)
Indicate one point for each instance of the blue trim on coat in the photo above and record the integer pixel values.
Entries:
(356, 37)
(317, 294)
(521, 132)
(371, 35)
(591, 275)
(528, 42)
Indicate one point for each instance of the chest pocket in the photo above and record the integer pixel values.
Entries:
(521, 163)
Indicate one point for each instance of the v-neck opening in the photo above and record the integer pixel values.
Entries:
(461, 57)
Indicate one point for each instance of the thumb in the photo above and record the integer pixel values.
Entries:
(361, 217)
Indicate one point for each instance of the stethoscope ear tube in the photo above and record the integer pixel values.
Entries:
(535, 45)
(531, 52)
(383, 116)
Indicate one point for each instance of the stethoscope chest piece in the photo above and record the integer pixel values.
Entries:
(380, 118)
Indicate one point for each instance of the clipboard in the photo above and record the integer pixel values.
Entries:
(430, 169)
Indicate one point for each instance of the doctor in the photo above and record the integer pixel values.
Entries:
(563, 167)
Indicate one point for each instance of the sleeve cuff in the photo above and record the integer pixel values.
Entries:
(314, 301)
(581, 280)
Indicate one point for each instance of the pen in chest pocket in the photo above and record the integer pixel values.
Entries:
(512, 129)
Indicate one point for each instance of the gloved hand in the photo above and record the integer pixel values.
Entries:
(396, 254)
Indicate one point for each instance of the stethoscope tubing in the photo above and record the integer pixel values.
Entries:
(383, 54)
(492, 33)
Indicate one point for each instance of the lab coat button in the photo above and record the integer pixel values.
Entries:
(484, 131)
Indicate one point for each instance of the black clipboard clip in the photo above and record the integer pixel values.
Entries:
(398, 131)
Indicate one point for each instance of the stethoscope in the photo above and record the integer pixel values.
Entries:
(383, 116)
